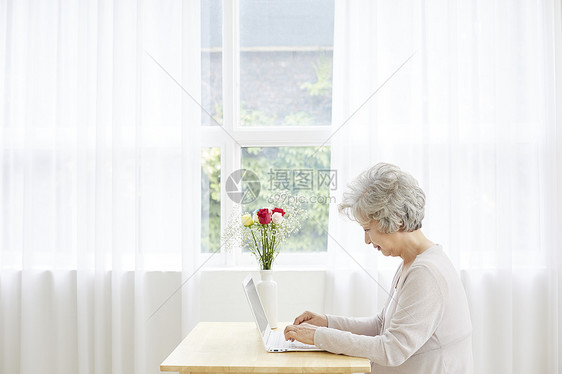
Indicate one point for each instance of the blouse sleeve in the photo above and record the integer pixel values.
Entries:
(420, 306)
(362, 326)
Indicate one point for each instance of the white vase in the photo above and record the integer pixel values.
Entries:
(267, 289)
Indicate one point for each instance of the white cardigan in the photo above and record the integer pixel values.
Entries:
(427, 328)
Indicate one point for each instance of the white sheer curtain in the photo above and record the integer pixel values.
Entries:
(473, 116)
(100, 178)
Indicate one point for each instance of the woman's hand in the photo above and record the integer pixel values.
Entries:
(304, 333)
(312, 318)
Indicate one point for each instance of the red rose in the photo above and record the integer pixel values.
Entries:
(264, 216)
(279, 210)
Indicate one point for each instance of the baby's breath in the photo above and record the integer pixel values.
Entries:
(264, 241)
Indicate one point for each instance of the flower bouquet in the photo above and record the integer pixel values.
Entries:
(265, 230)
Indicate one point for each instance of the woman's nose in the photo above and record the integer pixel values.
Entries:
(367, 239)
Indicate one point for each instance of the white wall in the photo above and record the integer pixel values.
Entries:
(222, 297)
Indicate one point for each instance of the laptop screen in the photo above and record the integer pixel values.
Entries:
(256, 305)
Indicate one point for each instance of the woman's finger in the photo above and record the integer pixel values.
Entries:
(303, 317)
(290, 334)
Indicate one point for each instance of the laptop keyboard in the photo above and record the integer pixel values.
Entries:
(277, 340)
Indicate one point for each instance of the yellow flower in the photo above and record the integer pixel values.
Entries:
(247, 220)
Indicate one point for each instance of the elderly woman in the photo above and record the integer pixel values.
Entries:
(424, 326)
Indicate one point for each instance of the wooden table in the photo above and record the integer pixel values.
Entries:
(236, 347)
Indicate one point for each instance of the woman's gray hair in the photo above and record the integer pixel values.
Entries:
(386, 194)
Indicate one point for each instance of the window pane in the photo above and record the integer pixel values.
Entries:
(210, 199)
(211, 62)
(286, 62)
(305, 173)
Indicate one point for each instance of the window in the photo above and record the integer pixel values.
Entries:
(267, 95)
(286, 62)
(305, 172)
(211, 62)
(210, 199)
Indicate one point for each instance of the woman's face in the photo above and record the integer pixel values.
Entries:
(380, 241)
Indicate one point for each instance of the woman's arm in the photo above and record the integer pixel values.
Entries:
(305, 325)
(370, 326)
(363, 326)
(419, 311)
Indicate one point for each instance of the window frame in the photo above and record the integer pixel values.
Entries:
(232, 137)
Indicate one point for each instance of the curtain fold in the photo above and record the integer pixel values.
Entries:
(99, 145)
(463, 96)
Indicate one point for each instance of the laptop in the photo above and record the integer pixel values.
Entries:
(273, 341)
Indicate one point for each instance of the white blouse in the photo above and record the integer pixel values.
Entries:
(426, 329)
